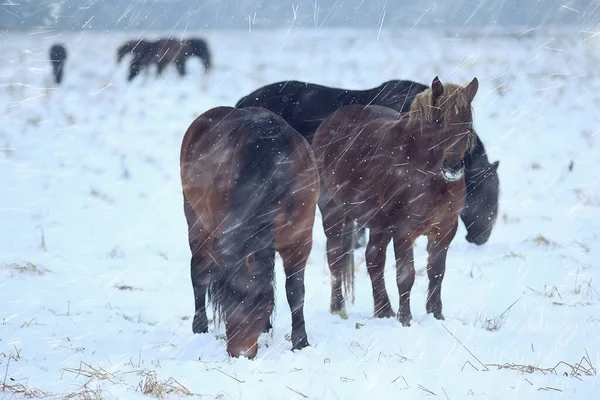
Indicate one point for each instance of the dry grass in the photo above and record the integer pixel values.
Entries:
(18, 388)
(154, 387)
(102, 196)
(126, 287)
(27, 268)
(149, 384)
(541, 240)
(582, 368)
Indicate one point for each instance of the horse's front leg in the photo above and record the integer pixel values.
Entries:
(405, 275)
(437, 246)
(375, 257)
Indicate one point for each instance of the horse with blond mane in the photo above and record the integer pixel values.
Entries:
(401, 176)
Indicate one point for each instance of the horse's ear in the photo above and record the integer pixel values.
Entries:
(437, 89)
(494, 166)
(471, 89)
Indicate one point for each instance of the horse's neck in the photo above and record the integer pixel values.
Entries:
(413, 144)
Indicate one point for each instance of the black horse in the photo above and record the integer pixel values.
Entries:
(305, 105)
(58, 55)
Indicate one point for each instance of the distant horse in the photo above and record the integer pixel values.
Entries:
(402, 176)
(250, 187)
(58, 55)
(173, 51)
(305, 105)
(143, 53)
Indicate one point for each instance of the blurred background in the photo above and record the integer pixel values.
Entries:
(242, 14)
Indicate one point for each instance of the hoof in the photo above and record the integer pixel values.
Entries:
(199, 325)
(342, 313)
(300, 345)
(405, 319)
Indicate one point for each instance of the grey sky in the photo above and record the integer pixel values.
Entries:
(238, 14)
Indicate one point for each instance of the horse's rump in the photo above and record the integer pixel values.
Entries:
(251, 181)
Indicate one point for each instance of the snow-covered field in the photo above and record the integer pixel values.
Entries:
(95, 294)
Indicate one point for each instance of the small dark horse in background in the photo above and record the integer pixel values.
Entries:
(305, 105)
(162, 53)
(402, 176)
(250, 187)
(58, 55)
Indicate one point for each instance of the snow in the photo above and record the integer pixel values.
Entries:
(90, 196)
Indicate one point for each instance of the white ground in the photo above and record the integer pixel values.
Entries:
(90, 196)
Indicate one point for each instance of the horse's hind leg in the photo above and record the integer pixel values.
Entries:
(294, 262)
(437, 246)
(405, 275)
(293, 241)
(200, 269)
(375, 257)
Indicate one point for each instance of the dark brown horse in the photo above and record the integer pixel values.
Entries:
(58, 56)
(250, 187)
(402, 176)
(173, 51)
(305, 105)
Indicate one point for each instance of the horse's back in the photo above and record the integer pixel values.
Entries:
(305, 105)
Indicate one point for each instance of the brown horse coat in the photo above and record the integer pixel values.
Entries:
(250, 187)
(400, 176)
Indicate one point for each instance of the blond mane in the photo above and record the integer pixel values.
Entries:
(421, 109)
(422, 106)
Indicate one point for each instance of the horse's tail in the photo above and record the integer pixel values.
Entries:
(348, 245)
(263, 179)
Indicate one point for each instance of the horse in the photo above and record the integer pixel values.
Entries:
(143, 53)
(58, 55)
(305, 105)
(402, 176)
(250, 188)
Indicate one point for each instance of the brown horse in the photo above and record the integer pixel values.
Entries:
(250, 187)
(402, 176)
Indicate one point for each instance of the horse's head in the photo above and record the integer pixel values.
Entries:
(481, 204)
(448, 106)
(246, 298)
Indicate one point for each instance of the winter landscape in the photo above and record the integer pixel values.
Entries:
(95, 294)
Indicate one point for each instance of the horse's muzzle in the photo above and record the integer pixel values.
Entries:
(451, 175)
(453, 172)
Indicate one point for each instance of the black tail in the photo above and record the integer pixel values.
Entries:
(263, 179)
